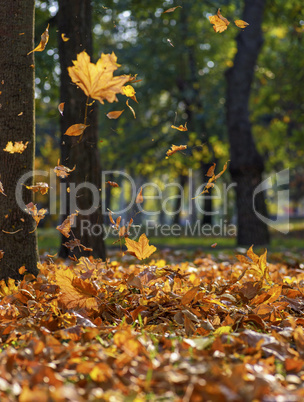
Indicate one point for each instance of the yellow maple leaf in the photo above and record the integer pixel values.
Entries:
(97, 80)
(17, 147)
(220, 23)
(140, 249)
(43, 41)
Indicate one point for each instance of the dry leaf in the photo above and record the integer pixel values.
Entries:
(181, 127)
(65, 227)
(129, 91)
(139, 198)
(115, 114)
(61, 108)
(97, 80)
(75, 292)
(1, 254)
(2, 189)
(220, 23)
(175, 148)
(64, 38)
(22, 270)
(76, 243)
(131, 108)
(63, 171)
(141, 249)
(42, 187)
(75, 130)
(37, 215)
(170, 10)
(112, 183)
(241, 23)
(18, 147)
(43, 41)
(210, 172)
(189, 296)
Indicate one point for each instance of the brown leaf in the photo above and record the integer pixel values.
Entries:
(115, 114)
(75, 130)
(65, 227)
(131, 108)
(37, 215)
(42, 187)
(112, 183)
(97, 80)
(134, 281)
(17, 147)
(43, 41)
(141, 249)
(210, 172)
(189, 296)
(1, 254)
(170, 10)
(75, 292)
(220, 23)
(63, 171)
(61, 108)
(2, 189)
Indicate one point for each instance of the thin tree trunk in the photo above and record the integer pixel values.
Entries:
(75, 21)
(18, 237)
(246, 165)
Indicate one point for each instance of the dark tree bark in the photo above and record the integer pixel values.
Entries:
(246, 165)
(17, 124)
(75, 21)
(179, 200)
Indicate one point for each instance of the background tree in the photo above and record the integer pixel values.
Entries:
(246, 165)
(75, 21)
(17, 124)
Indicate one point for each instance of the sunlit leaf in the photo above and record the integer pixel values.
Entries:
(220, 23)
(181, 127)
(61, 108)
(114, 114)
(65, 227)
(170, 10)
(75, 130)
(141, 249)
(43, 188)
(64, 38)
(43, 41)
(63, 171)
(139, 198)
(17, 147)
(97, 80)
(241, 23)
(175, 148)
(36, 214)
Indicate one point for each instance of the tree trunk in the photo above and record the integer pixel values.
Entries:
(75, 21)
(246, 165)
(17, 118)
(179, 200)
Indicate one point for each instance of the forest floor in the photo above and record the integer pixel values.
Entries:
(178, 327)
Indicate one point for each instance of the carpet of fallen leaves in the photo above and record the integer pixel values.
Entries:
(172, 330)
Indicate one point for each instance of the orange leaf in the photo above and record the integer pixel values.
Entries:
(175, 148)
(139, 198)
(22, 270)
(37, 215)
(181, 127)
(43, 41)
(241, 23)
(64, 38)
(2, 189)
(115, 114)
(18, 147)
(113, 184)
(219, 22)
(170, 10)
(75, 130)
(75, 292)
(1, 254)
(141, 249)
(189, 296)
(42, 187)
(65, 227)
(61, 108)
(210, 172)
(97, 80)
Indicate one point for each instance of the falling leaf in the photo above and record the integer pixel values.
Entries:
(64, 38)
(61, 108)
(97, 80)
(213, 245)
(213, 178)
(22, 270)
(220, 23)
(170, 10)
(18, 147)
(20, 114)
(42, 187)
(43, 42)
(37, 215)
(139, 198)
(75, 130)
(1, 254)
(63, 171)
(65, 227)
(175, 148)
(181, 127)
(114, 114)
(210, 172)
(130, 107)
(141, 249)
(241, 23)
(75, 292)
(2, 189)
(112, 183)
(76, 243)
(129, 91)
